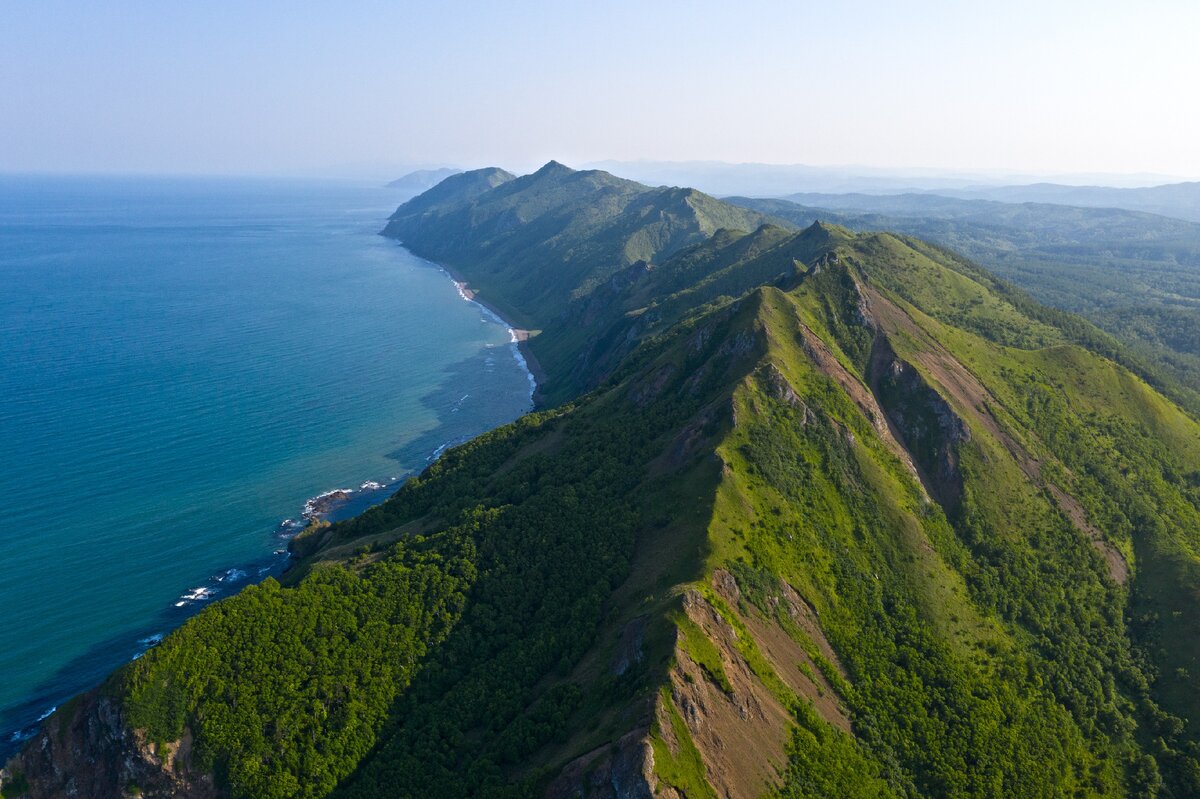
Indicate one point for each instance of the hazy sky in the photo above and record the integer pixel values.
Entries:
(266, 87)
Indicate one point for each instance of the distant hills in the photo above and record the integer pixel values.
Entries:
(809, 512)
(422, 179)
(1180, 200)
(777, 180)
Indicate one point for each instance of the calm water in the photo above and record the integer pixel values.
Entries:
(182, 364)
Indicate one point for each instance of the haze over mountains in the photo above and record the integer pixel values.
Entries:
(422, 179)
(1173, 199)
(778, 180)
(810, 512)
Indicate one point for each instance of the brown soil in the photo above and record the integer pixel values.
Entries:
(969, 394)
(829, 365)
(741, 735)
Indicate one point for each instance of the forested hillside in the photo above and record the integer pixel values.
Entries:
(810, 514)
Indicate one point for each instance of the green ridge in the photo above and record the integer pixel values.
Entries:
(510, 620)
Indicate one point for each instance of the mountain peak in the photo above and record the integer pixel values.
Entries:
(458, 188)
(553, 167)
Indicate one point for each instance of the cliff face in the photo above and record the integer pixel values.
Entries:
(87, 750)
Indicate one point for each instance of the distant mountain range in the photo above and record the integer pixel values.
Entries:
(1180, 200)
(777, 180)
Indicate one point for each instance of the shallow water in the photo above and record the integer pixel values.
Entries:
(183, 363)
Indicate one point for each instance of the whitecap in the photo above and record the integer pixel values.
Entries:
(491, 315)
(311, 507)
(196, 595)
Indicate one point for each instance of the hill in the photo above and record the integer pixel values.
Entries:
(422, 179)
(1136, 275)
(841, 516)
(534, 244)
(1181, 200)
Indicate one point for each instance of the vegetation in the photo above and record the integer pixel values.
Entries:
(1133, 274)
(947, 538)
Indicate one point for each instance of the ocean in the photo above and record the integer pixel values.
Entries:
(184, 363)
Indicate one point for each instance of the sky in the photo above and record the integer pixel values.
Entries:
(366, 87)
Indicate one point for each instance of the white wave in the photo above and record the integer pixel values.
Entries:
(151, 640)
(46, 715)
(371, 485)
(512, 337)
(196, 595)
(233, 575)
(310, 507)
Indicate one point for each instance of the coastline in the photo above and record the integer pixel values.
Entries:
(520, 336)
(328, 506)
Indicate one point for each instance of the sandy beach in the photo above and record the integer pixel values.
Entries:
(520, 335)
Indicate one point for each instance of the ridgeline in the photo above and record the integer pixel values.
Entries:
(807, 513)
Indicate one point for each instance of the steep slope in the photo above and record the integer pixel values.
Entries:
(1137, 275)
(535, 243)
(844, 521)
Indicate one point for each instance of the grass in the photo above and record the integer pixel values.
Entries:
(683, 768)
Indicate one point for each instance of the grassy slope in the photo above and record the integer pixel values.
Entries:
(729, 552)
(541, 246)
(1133, 274)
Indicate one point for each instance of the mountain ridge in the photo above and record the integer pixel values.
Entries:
(821, 513)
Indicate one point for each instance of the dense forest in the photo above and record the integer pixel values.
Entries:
(808, 513)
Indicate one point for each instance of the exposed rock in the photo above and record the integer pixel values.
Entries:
(623, 770)
(727, 586)
(86, 750)
(739, 345)
(862, 315)
(782, 390)
(929, 428)
(824, 359)
(740, 734)
(629, 648)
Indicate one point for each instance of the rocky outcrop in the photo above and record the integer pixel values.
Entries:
(87, 750)
(623, 770)
(629, 649)
(926, 424)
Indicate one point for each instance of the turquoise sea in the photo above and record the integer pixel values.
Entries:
(183, 364)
